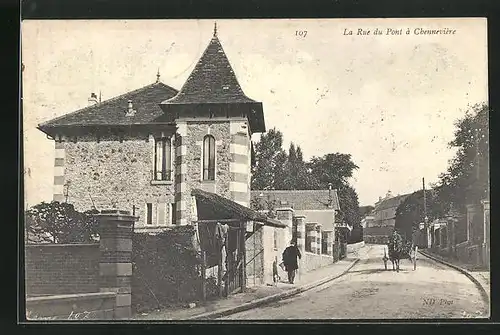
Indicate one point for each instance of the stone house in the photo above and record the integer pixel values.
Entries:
(179, 157)
(145, 150)
(384, 213)
(381, 221)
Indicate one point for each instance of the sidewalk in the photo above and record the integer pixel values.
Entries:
(253, 296)
(481, 275)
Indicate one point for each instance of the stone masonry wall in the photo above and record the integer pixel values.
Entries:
(113, 172)
(189, 149)
(254, 258)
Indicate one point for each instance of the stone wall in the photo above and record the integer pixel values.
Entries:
(232, 162)
(355, 246)
(255, 258)
(76, 307)
(61, 268)
(312, 261)
(111, 172)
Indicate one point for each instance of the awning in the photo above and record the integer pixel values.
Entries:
(211, 206)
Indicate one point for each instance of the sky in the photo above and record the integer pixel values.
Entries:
(389, 100)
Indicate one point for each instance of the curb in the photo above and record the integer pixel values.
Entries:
(482, 290)
(272, 298)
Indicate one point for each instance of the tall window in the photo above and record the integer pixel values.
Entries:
(163, 158)
(209, 158)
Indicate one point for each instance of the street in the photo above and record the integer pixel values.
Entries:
(368, 291)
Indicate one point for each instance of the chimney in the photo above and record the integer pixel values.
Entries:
(93, 99)
(130, 109)
(389, 194)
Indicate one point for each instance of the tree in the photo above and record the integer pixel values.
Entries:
(410, 212)
(295, 176)
(57, 222)
(334, 168)
(365, 210)
(270, 158)
(268, 205)
(275, 169)
(349, 206)
(467, 176)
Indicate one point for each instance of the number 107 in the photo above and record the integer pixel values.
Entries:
(301, 33)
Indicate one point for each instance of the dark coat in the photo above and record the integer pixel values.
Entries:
(290, 258)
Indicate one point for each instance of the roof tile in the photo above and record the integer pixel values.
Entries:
(145, 102)
(301, 199)
(212, 80)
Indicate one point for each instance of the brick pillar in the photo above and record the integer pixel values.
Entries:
(60, 157)
(318, 239)
(115, 266)
(182, 192)
(329, 241)
(301, 232)
(452, 223)
(471, 213)
(285, 216)
(486, 233)
(311, 236)
(239, 166)
(448, 236)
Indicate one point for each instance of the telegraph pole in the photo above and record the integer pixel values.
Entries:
(425, 199)
(426, 224)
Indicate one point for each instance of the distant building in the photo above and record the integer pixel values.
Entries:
(384, 213)
(381, 221)
(368, 221)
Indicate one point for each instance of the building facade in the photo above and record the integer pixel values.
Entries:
(381, 221)
(146, 150)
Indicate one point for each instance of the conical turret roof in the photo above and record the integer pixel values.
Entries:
(212, 80)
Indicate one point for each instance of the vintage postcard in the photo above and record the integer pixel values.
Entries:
(333, 169)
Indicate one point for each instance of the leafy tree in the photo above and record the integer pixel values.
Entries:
(57, 222)
(295, 174)
(365, 210)
(410, 212)
(334, 168)
(270, 158)
(467, 176)
(269, 205)
(275, 169)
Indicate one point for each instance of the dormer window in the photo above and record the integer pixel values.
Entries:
(208, 157)
(163, 159)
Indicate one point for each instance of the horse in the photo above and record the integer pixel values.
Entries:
(398, 250)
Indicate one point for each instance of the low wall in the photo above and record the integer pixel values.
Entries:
(355, 246)
(61, 268)
(312, 261)
(86, 306)
(375, 239)
(470, 254)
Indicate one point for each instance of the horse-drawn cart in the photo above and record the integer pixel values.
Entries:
(398, 249)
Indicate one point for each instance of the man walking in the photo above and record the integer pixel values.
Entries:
(290, 260)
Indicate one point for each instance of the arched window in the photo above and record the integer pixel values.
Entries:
(209, 158)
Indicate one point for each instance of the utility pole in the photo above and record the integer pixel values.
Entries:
(425, 199)
(426, 223)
